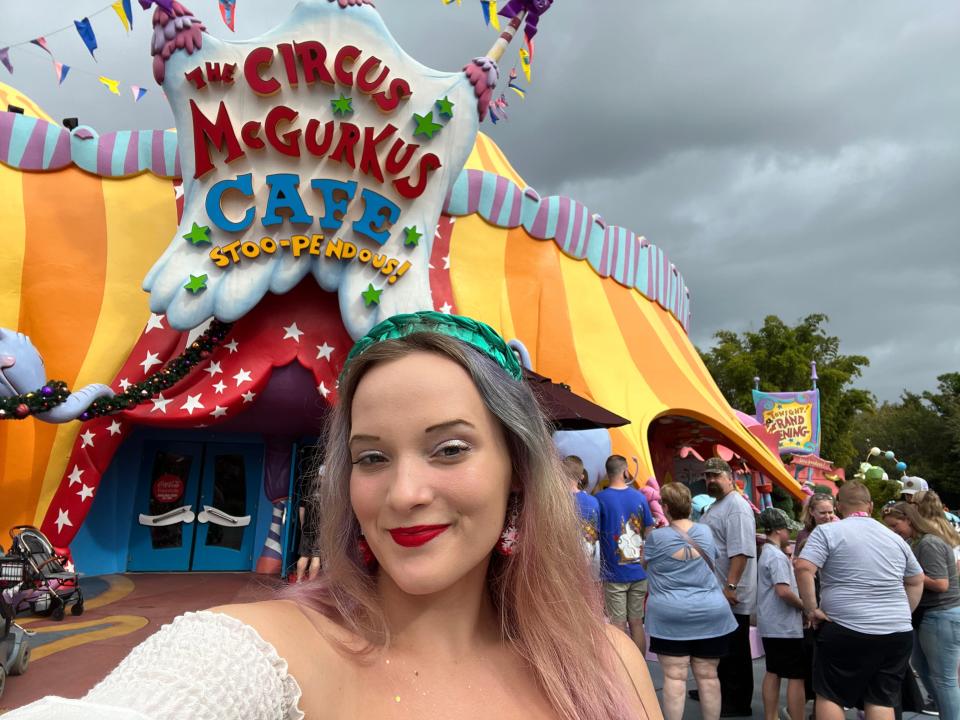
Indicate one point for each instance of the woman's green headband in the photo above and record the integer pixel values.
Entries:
(473, 332)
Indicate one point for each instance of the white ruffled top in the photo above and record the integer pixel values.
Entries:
(202, 666)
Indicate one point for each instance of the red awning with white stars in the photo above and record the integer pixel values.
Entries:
(302, 326)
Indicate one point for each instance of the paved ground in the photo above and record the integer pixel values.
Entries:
(70, 656)
(692, 710)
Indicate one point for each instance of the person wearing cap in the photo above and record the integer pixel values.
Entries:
(780, 619)
(911, 486)
(870, 583)
(734, 528)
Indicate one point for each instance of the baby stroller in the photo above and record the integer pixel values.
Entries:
(14, 645)
(44, 585)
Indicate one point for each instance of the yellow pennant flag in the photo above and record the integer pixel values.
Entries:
(525, 63)
(122, 14)
(494, 18)
(111, 85)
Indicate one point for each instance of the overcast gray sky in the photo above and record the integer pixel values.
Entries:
(790, 157)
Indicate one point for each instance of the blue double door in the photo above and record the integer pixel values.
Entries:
(196, 507)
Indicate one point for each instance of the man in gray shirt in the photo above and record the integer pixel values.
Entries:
(735, 530)
(870, 583)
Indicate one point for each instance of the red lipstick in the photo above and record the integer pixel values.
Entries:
(416, 535)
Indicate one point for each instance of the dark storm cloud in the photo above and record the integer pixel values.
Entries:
(791, 158)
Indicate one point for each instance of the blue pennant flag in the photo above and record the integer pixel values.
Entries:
(86, 34)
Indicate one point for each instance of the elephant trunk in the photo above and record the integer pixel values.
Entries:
(74, 406)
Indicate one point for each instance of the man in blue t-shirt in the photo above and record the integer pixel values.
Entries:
(625, 520)
(587, 508)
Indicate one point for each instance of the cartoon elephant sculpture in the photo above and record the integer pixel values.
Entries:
(22, 371)
(591, 446)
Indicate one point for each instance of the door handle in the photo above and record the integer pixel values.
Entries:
(182, 514)
(219, 517)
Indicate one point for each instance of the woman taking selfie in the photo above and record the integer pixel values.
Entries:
(453, 582)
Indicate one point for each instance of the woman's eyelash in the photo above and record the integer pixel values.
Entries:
(366, 457)
(457, 446)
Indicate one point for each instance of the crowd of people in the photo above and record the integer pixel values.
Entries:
(848, 612)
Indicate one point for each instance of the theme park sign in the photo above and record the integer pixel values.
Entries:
(793, 417)
(318, 148)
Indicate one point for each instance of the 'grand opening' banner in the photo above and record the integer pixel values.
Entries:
(794, 417)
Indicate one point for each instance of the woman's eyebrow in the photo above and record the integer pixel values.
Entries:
(355, 438)
(447, 425)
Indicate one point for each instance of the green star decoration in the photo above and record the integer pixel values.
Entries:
(445, 107)
(198, 235)
(425, 125)
(342, 105)
(198, 283)
(412, 236)
(371, 296)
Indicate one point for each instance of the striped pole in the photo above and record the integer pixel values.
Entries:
(272, 554)
(506, 37)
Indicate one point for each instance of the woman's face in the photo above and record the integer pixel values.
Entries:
(431, 471)
(823, 512)
(899, 525)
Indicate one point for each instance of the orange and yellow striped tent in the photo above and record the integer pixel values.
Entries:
(77, 246)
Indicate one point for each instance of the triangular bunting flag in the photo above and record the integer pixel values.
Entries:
(5, 59)
(513, 85)
(138, 92)
(228, 11)
(121, 8)
(86, 34)
(42, 43)
(494, 17)
(61, 71)
(110, 84)
(525, 63)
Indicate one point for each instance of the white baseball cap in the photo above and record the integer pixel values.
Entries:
(913, 484)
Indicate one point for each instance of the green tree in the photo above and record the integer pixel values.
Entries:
(924, 431)
(780, 356)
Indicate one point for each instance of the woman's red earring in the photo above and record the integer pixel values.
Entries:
(366, 554)
(510, 536)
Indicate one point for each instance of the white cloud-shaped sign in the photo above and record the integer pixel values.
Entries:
(320, 147)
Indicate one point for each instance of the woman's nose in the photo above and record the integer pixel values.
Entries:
(410, 486)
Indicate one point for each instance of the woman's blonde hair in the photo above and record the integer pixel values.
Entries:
(806, 516)
(908, 511)
(928, 504)
(549, 607)
(676, 499)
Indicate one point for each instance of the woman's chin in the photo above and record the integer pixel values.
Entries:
(413, 578)
(425, 575)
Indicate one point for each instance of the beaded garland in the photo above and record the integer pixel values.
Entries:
(56, 392)
(35, 401)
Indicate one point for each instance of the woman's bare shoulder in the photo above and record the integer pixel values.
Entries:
(636, 675)
(296, 632)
